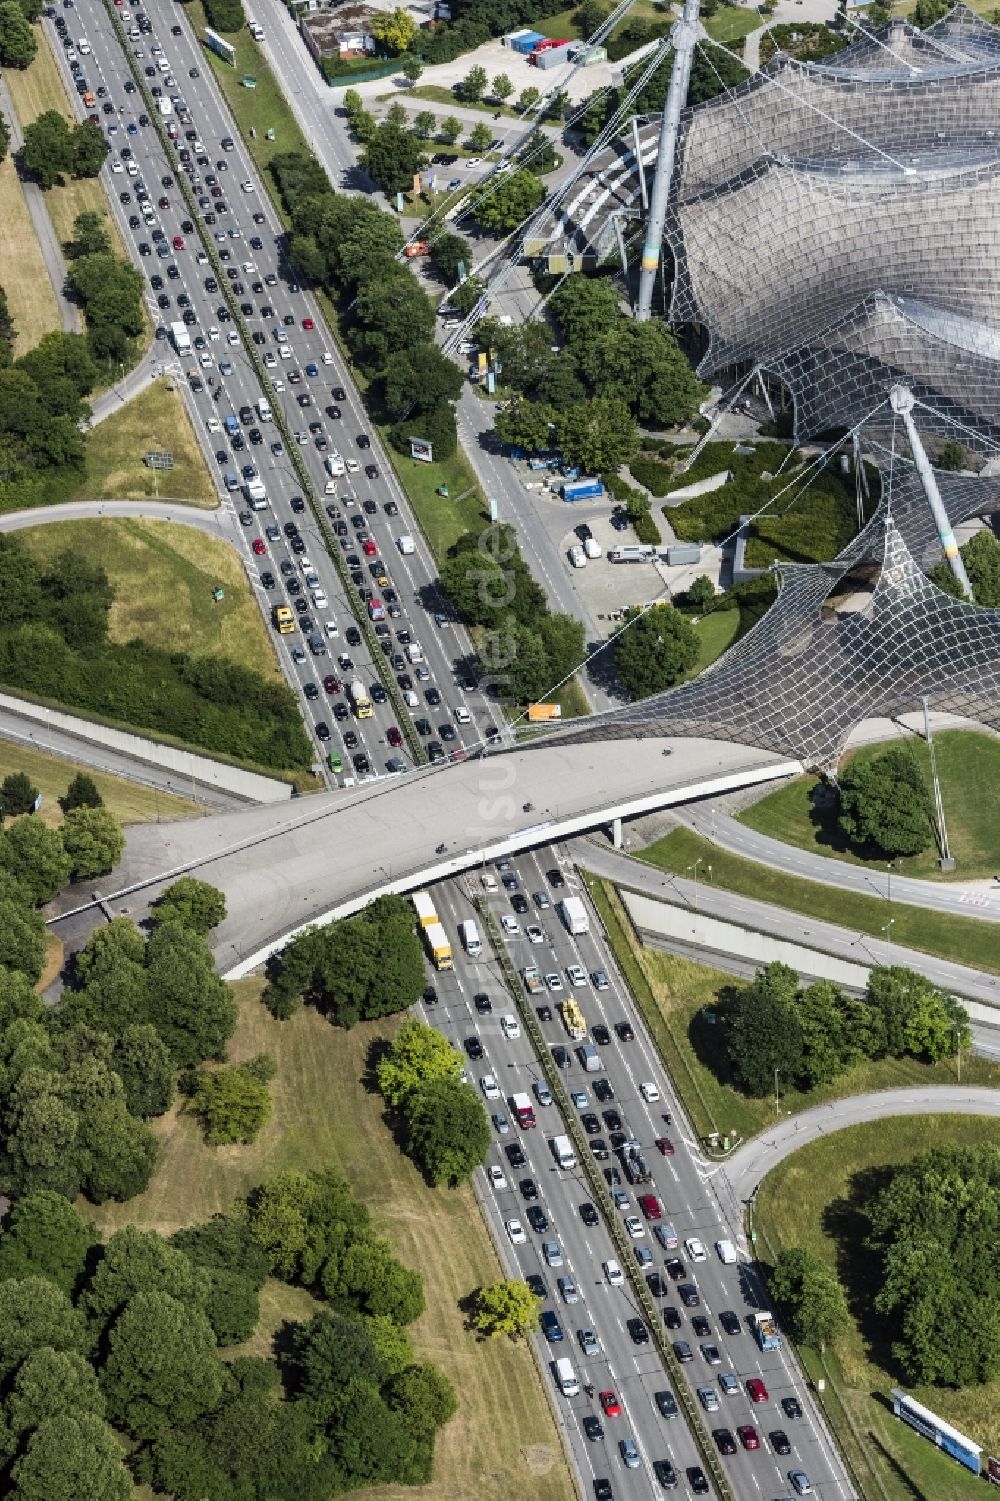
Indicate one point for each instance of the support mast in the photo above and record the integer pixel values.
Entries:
(901, 399)
(684, 35)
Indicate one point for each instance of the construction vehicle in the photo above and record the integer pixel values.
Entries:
(573, 1019)
(765, 1331)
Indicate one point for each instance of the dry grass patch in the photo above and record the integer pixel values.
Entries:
(502, 1442)
(23, 276)
(155, 420)
(130, 802)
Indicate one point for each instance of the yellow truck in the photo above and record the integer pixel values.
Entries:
(573, 1019)
(284, 620)
(423, 906)
(438, 946)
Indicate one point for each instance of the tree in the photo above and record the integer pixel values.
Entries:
(392, 157)
(502, 88)
(89, 149)
(93, 840)
(810, 1297)
(584, 308)
(22, 939)
(192, 903)
(48, 144)
(191, 1008)
(952, 456)
(8, 333)
(81, 793)
(36, 857)
(473, 85)
(926, 12)
(417, 1054)
(4, 139)
(451, 129)
(377, 1282)
(915, 1017)
(981, 556)
(225, 15)
(480, 137)
(143, 1063)
(448, 1135)
(508, 1307)
(395, 30)
(417, 380)
(885, 805)
(391, 314)
(643, 364)
(17, 40)
(424, 124)
(89, 236)
(48, 1384)
(525, 424)
(827, 1044)
(590, 16)
(504, 204)
(71, 1455)
(18, 794)
(423, 1397)
(34, 1315)
(118, 1152)
(658, 647)
(411, 70)
(527, 99)
(450, 252)
(762, 1031)
(44, 1236)
(353, 103)
(161, 1370)
(234, 1104)
(598, 434)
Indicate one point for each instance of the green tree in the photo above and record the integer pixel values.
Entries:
(93, 840)
(643, 364)
(417, 1054)
(191, 1008)
(590, 16)
(18, 794)
(424, 123)
(143, 1064)
(505, 203)
(658, 647)
(473, 85)
(423, 1397)
(234, 1104)
(71, 1455)
(81, 793)
(118, 1152)
(417, 380)
(508, 1307)
(885, 805)
(952, 456)
(449, 252)
(35, 855)
(525, 424)
(8, 334)
(377, 1282)
(810, 1297)
(391, 314)
(89, 149)
(827, 1044)
(762, 1031)
(981, 556)
(597, 435)
(22, 939)
(395, 29)
(926, 12)
(480, 137)
(192, 903)
(451, 129)
(584, 308)
(162, 1370)
(564, 639)
(4, 139)
(48, 142)
(44, 1236)
(391, 158)
(915, 1017)
(527, 99)
(353, 103)
(466, 297)
(411, 71)
(448, 1134)
(90, 237)
(501, 88)
(17, 40)
(49, 1384)
(34, 1315)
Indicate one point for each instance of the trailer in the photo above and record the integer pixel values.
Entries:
(635, 1165)
(765, 1331)
(423, 906)
(438, 946)
(582, 489)
(181, 337)
(574, 915)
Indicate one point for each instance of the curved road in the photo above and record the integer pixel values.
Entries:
(746, 1167)
(219, 523)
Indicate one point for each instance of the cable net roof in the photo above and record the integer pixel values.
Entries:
(837, 223)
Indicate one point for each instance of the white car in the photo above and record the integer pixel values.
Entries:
(213, 333)
(474, 161)
(488, 882)
(553, 982)
(649, 1092)
(510, 1026)
(246, 187)
(204, 359)
(331, 627)
(634, 1226)
(269, 360)
(534, 934)
(613, 1274)
(576, 974)
(515, 1231)
(232, 337)
(286, 352)
(462, 715)
(489, 1086)
(510, 925)
(695, 1249)
(497, 1178)
(353, 467)
(327, 357)
(117, 167)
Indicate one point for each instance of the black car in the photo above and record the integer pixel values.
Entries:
(724, 1441)
(656, 1285)
(588, 1213)
(599, 1148)
(322, 731)
(311, 691)
(362, 765)
(778, 1440)
(473, 1047)
(560, 1057)
(267, 579)
(537, 1218)
(611, 1119)
(519, 903)
(638, 1332)
(730, 1322)
(667, 1404)
(601, 1035)
(515, 1154)
(338, 393)
(603, 1491)
(625, 1032)
(696, 1480)
(593, 1427)
(371, 470)
(665, 1474)
(590, 1123)
(529, 1190)
(603, 1090)
(613, 1177)
(536, 1283)
(676, 1270)
(791, 1407)
(350, 740)
(689, 1295)
(701, 1326)
(352, 636)
(555, 878)
(340, 710)
(671, 1317)
(683, 1351)
(482, 1003)
(544, 1013)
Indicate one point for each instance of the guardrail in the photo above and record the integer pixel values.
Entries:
(601, 1192)
(250, 349)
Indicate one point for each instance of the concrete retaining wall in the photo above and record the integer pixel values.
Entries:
(247, 784)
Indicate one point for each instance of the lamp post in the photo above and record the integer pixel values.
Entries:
(887, 931)
(777, 1100)
(694, 868)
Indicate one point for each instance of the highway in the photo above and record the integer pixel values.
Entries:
(684, 1183)
(221, 382)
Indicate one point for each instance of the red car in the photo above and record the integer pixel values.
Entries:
(308, 323)
(756, 1390)
(612, 1406)
(650, 1206)
(331, 683)
(258, 546)
(369, 549)
(393, 736)
(178, 242)
(665, 1146)
(748, 1436)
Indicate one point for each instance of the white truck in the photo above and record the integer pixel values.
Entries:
(256, 30)
(406, 545)
(562, 1151)
(470, 938)
(166, 106)
(255, 492)
(574, 915)
(181, 337)
(264, 409)
(414, 652)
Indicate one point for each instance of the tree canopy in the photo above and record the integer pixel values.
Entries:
(658, 648)
(885, 804)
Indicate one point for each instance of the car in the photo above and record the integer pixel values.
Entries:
(593, 1428)
(575, 973)
(625, 1031)
(710, 1353)
(579, 1098)
(267, 579)
(613, 1274)
(664, 1146)
(778, 1439)
(551, 1327)
(501, 1124)
(510, 925)
(519, 902)
(393, 736)
(258, 546)
(534, 934)
(730, 1322)
(671, 1317)
(610, 1404)
(724, 1441)
(590, 1123)
(510, 1026)
(634, 1226)
(791, 1407)
(689, 1295)
(555, 878)
(629, 1451)
(472, 1045)
(756, 1390)
(537, 1285)
(602, 1490)
(728, 1384)
(648, 1203)
(489, 1087)
(700, 1326)
(567, 1290)
(308, 324)
(800, 1482)
(638, 1333)
(553, 982)
(599, 1149)
(528, 1189)
(515, 1231)
(552, 1251)
(666, 1403)
(708, 1398)
(665, 1474)
(666, 1235)
(482, 1003)
(649, 1091)
(696, 1480)
(560, 1057)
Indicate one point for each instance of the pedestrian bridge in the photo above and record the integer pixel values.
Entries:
(311, 861)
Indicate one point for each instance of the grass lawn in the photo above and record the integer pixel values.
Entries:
(23, 276)
(804, 1202)
(731, 23)
(962, 939)
(435, 93)
(572, 698)
(672, 993)
(163, 576)
(715, 633)
(156, 419)
(969, 770)
(129, 801)
(443, 518)
(502, 1442)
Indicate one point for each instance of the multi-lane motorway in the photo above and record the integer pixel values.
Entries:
(310, 384)
(684, 1184)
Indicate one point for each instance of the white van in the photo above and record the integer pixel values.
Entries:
(469, 934)
(263, 409)
(567, 1380)
(726, 1252)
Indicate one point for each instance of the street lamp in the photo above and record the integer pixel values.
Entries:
(887, 933)
(777, 1101)
(694, 867)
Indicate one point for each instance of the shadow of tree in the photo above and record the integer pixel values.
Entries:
(859, 1266)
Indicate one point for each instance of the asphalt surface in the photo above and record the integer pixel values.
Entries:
(685, 1184)
(38, 209)
(845, 943)
(412, 577)
(221, 523)
(141, 376)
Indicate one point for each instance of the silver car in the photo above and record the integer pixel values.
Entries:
(567, 1289)
(629, 1450)
(552, 1251)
